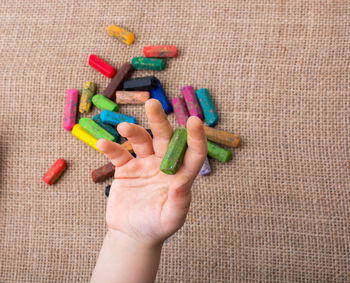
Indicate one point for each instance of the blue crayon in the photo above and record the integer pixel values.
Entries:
(159, 94)
(208, 108)
(110, 129)
(114, 118)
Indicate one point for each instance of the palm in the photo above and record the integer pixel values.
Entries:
(136, 202)
(145, 203)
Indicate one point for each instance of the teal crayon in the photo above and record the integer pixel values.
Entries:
(210, 115)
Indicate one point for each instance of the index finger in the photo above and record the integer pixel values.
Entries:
(160, 127)
(114, 151)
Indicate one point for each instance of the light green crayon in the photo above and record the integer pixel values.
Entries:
(218, 152)
(95, 130)
(103, 103)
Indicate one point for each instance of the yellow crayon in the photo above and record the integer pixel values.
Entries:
(84, 136)
(89, 90)
(120, 34)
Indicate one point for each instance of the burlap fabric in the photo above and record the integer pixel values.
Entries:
(278, 72)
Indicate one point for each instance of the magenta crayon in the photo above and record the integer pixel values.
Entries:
(70, 109)
(192, 102)
(180, 110)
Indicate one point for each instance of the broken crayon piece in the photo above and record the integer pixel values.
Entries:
(56, 170)
(174, 155)
(221, 137)
(150, 132)
(110, 129)
(103, 67)
(118, 80)
(205, 170)
(107, 189)
(121, 34)
(208, 108)
(70, 109)
(191, 102)
(219, 153)
(103, 173)
(114, 118)
(158, 93)
(131, 97)
(88, 92)
(144, 63)
(103, 103)
(163, 51)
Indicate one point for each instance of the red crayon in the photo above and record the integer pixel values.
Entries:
(101, 66)
(160, 51)
(55, 171)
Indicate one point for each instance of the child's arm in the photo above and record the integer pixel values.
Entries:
(122, 259)
(146, 206)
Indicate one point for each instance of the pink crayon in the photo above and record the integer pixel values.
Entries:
(180, 110)
(70, 109)
(191, 102)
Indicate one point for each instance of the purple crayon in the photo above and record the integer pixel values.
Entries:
(192, 102)
(180, 110)
(205, 170)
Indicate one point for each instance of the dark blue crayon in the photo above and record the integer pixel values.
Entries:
(108, 188)
(159, 94)
(114, 118)
(150, 132)
(110, 129)
(140, 84)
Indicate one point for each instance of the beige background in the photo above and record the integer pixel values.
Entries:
(278, 72)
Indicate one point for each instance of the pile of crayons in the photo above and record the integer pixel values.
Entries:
(122, 90)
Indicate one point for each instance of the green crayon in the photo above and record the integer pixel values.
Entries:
(218, 152)
(144, 63)
(103, 103)
(175, 152)
(95, 130)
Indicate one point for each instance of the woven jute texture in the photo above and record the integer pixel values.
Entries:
(278, 72)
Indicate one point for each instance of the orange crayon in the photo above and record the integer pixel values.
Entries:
(222, 137)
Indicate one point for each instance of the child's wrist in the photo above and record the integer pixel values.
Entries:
(118, 237)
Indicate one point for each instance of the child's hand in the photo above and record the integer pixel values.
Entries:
(144, 203)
